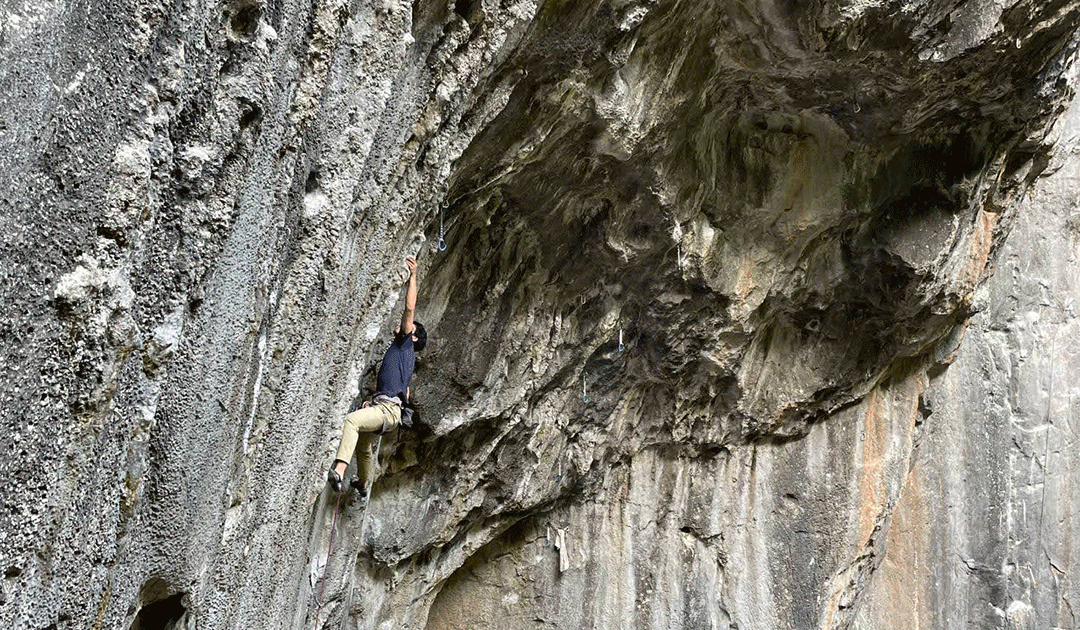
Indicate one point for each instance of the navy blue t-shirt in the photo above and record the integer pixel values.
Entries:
(397, 367)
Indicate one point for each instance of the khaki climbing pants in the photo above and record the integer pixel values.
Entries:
(362, 428)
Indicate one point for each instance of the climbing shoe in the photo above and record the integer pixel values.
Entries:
(360, 487)
(335, 480)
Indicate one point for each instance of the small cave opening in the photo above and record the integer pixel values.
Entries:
(464, 7)
(159, 610)
(312, 183)
(164, 614)
(250, 113)
(244, 20)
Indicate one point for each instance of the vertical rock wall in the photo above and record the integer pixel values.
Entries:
(205, 205)
(837, 240)
(989, 506)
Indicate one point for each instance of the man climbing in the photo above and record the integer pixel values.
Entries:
(384, 412)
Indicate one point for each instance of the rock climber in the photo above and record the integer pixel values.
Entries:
(383, 412)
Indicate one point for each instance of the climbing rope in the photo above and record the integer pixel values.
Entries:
(329, 552)
(333, 528)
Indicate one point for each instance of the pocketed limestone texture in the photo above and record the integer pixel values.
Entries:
(752, 314)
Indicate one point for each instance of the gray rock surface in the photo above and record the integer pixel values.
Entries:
(989, 507)
(838, 241)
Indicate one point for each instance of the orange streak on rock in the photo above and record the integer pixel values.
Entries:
(871, 455)
(978, 252)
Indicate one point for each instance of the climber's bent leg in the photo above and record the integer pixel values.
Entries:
(389, 416)
(365, 459)
(364, 420)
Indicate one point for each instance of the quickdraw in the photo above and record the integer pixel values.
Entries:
(442, 230)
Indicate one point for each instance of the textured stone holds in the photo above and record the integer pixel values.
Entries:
(813, 266)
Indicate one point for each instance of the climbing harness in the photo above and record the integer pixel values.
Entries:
(621, 346)
(381, 402)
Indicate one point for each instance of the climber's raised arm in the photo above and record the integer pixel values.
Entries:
(387, 409)
(410, 299)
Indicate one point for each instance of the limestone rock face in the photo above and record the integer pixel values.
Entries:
(751, 314)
